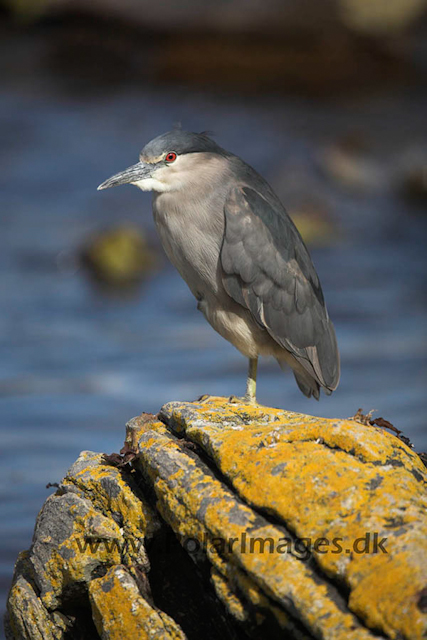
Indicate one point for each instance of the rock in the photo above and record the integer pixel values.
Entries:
(119, 257)
(27, 10)
(96, 519)
(121, 612)
(231, 521)
(314, 224)
(412, 176)
(374, 17)
(93, 47)
(30, 618)
(379, 18)
(349, 163)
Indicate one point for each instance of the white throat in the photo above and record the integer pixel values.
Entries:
(151, 184)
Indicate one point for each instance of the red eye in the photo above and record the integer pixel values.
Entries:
(171, 156)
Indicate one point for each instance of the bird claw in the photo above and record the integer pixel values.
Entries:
(242, 400)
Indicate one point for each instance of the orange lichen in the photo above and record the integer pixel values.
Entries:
(138, 517)
(332, 479)
(121, 613)
(200, 507)
(27, 612)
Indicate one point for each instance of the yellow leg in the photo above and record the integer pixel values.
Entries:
(250, 395)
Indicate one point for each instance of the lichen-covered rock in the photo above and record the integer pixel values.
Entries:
(325, 480)
(96, 519)
(296, 527)
(30, 618)
(121, 613)
(118, 257)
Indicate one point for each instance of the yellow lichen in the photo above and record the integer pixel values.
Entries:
(75, 558)
(274, 480)
(235, 606)
(195, 503)
(138, 517)
(121, 613)
(332, 479)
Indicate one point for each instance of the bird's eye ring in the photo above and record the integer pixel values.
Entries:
(171, 156)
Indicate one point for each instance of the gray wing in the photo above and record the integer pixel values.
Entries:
(268, 270)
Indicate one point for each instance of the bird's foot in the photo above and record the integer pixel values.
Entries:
(232, 399)
(242, 400)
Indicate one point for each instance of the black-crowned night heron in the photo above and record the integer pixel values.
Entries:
(232, 241)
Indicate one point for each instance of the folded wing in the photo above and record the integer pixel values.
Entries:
(268, 270)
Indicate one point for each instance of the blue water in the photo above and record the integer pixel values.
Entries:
(76, 364)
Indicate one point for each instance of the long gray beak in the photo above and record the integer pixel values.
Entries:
(137, 172)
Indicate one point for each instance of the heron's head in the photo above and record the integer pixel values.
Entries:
(171, 162)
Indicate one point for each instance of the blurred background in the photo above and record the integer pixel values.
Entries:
(326, 98)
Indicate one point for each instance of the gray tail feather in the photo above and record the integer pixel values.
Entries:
(329, 359)
(308, 385)
(321, 364)
(319, 367)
